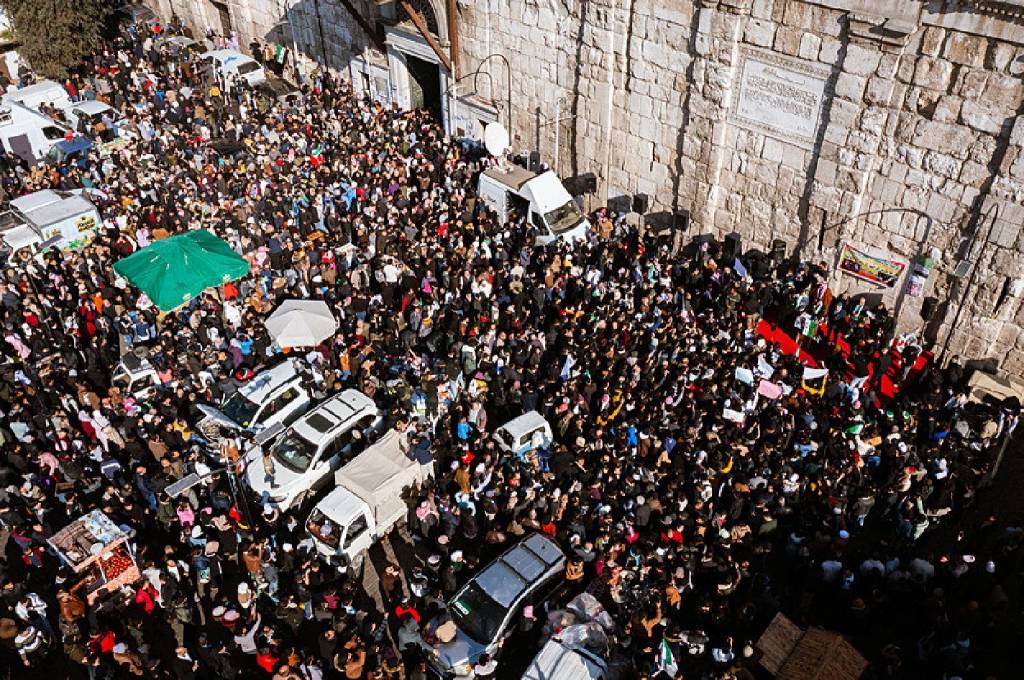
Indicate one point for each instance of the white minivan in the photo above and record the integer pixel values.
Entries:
(225, 65)
(305, 456)
(481, 616)
(541, 198)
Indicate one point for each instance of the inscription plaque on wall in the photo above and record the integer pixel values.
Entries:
(780, 96)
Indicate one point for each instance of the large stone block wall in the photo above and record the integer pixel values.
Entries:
(293, 23)
(917, 149)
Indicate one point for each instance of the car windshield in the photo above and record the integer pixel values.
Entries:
(240, 409)
(564, 218)
(247, 67)
(477, 614)
(294, 452)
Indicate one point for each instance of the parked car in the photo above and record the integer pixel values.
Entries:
(225, 66)
(484, 611)
(136, 377)
(524, 434)
(307, 453)
(274, 396)
(95, 119)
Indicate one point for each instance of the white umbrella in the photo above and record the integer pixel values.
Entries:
(301, 323)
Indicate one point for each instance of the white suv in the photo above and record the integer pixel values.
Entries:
(307, 453)
(276, 396)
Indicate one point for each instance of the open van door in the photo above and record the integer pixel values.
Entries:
(21, 146)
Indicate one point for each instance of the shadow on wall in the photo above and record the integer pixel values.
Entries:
(804, 209)
(677, 168)
(321, 31)
(576, 78)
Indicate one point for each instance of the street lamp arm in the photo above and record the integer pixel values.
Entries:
(479, 70)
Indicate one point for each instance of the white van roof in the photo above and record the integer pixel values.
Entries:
(547, 191)
(39, 89)
(332, 414)
(511, 175)
(35, 200)
(21, 236)
(555, 661)
(21, 114)
(260, 387)
(52, 213)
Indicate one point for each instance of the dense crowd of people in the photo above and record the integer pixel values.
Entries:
(696, 481)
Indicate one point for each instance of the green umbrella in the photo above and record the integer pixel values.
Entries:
(174, 270)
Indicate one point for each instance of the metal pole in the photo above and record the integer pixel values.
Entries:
(558, 128)
(508, 82)
(970, 279)
(610, 109)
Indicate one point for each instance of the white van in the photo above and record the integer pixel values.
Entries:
(135, 377)
(308, 452)
(225, 65)
(273, 397)
(27, 133)
(45, 92)
(541, 198)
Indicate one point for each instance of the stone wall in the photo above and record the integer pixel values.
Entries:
(297, 24)
(891, 125)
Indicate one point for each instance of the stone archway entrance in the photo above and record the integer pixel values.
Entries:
(418, 65)
(424, 85)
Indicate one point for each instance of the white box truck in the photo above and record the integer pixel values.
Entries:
(367, 501)
(542, 199)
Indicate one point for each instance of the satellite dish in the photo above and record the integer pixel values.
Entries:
(496, 139)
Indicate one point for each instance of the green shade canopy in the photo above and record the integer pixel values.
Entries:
(174, 270)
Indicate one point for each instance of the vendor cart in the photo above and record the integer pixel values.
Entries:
(98, 551)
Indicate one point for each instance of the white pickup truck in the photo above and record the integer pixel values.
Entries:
(367, 502)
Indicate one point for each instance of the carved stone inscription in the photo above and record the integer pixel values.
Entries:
(781, 97)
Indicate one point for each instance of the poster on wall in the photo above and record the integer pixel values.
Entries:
(878, 270)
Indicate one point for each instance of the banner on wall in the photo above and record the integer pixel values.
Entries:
(882, 271)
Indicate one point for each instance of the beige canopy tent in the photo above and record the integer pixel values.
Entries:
(791, 653)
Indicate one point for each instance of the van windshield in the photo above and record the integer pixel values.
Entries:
(248, 67)
(564, 218)
(240, 409)
(477, 614)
